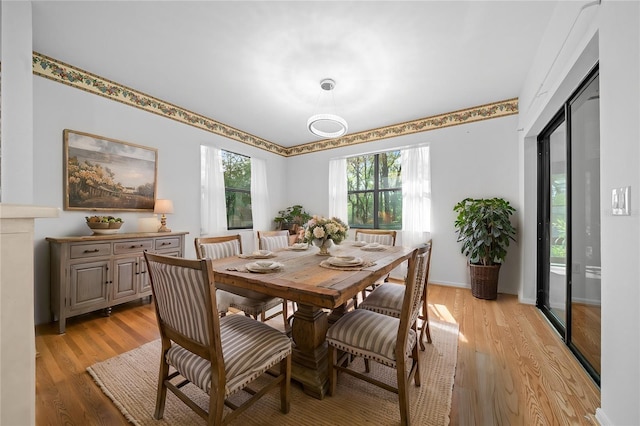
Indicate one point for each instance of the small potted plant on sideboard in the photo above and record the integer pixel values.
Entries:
(291, 218)
(484, 228)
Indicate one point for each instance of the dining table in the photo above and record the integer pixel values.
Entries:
(320, 286)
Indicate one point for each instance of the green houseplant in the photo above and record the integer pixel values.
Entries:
(292, 218)
(484, 228)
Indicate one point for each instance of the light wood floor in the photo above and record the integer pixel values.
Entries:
(512, 368)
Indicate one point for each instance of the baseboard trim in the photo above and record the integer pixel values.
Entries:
(602, 418)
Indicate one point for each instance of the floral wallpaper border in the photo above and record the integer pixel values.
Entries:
(61, 72)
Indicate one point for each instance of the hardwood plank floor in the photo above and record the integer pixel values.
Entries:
(513, 369)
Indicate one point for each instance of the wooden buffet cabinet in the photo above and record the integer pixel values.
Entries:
(100, 271)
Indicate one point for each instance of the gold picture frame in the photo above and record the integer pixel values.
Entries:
(104, 174)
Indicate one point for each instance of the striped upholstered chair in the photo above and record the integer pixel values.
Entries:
(220, 355)
(252, 303)
(382, 338)
(273, 240)
(387, 299)
(384, 237)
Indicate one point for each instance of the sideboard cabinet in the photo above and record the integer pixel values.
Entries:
(100, 271)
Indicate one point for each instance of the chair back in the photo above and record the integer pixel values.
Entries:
(218, 247)
(185, 302)
(273, 240)
(414, 286)
(428, 260)
(380, 236)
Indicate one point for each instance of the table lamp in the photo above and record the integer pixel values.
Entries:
(163, 206)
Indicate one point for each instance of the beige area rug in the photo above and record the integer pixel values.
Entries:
(130, 380)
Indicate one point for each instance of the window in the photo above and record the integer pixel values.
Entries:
(237, 190)
(374, 191)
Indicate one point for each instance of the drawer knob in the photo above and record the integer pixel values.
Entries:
(166, 244)
(134, 246)
(92, 251)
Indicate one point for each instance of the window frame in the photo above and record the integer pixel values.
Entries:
(228, 190)
(376, 191)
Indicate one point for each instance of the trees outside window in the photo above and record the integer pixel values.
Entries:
(374, 191)
(237, 185)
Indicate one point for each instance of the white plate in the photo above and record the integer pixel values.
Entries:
(299, 246)
(337, 261)
(359, 243)
(261, 254)
(373, 248)
(254, 267)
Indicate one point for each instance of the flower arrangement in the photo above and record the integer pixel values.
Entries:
(322, 228)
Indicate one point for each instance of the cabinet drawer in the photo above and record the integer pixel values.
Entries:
(167, 243)
(90, 250)
(135, 246)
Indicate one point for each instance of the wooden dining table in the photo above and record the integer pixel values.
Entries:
(320, 292)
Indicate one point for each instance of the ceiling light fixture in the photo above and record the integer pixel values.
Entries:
(327, 125)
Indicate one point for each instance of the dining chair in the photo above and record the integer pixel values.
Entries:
(387, 299)
(387, 340)
(385, 237)
(220, 355)
(252, 303)
(273, 240)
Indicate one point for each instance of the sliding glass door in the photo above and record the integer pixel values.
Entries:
(569, 223)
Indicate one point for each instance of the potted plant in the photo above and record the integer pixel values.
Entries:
(292, 218)
(485, 230)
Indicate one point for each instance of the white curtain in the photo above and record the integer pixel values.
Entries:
(259, 195)
(213, 210)
(416, 195)
(338, 189)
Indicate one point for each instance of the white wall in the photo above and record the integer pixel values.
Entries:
(580, 34)
(472, 160)
(57, 107)
(620, 155)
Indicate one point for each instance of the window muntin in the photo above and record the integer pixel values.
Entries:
(237, 186)
(374, 191)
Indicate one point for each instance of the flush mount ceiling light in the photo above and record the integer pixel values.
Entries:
(327, 125)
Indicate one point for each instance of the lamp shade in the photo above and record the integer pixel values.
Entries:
(163, 206)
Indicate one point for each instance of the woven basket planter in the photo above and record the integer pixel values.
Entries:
(484, 281)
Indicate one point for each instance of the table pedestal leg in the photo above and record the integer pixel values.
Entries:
(309, 366)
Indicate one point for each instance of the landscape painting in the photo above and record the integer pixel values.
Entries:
(107, 174)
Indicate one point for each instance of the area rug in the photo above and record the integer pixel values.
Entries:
(130, 380)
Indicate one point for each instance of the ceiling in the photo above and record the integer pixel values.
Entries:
(257, 65)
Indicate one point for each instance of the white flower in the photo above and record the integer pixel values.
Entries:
(318, 232)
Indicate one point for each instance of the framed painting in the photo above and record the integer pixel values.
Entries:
(103, 174)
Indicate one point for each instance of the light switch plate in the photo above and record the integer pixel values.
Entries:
(620, 201)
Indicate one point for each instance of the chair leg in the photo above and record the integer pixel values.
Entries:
(216, 407)
(425, 321)
(415, 354)
(332, 372)
(162, 388)
(285, 313)
(403, 396)
(285, 385)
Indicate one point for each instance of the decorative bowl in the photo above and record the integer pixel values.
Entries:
(104, 227)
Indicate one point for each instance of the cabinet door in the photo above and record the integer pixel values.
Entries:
(145, 284)
(125, 277)
(89, 285)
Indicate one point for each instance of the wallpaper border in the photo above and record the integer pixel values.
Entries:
(61, 72)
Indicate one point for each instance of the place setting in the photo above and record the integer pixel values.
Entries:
(258, 254)
(264, 266)
(373, 247)
(345, 263)
(298, 247)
